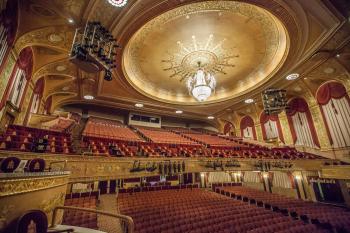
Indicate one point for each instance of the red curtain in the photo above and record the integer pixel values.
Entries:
(48, 105)
(25, 62)
(330, 90)
(265, 118)
(39, 87)
(9, 18)
(247, 121)
(291, 179)
(300, 105)
(228, 126)
(325, 93)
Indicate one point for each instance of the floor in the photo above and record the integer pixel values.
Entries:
(108, 203)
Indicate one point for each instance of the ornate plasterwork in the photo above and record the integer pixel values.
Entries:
(50, 204)
(217, 48)
(41, 37)
(51, 69)
(16, 186)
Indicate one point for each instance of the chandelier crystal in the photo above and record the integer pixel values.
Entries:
(118, 3)
(201, 85)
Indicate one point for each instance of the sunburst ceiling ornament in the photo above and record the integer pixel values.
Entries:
(183, 63)
(118, 3)
(211, 58)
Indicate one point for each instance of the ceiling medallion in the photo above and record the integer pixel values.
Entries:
(198, 62)
(118, 3)
(55, 38)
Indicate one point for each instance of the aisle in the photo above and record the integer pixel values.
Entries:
(108, 203)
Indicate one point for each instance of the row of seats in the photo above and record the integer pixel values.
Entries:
(80, 218)
(164, 136)
(328, 215)
(201, 211)
(109, 129)
(158, 188)
(100, 146)
(21, 138)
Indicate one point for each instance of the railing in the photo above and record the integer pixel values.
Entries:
(127, 222)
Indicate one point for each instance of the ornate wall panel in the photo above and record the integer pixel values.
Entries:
(285, 128)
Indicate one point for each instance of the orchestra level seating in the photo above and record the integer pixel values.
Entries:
(79, 218)
(322, 214)
(200, 211)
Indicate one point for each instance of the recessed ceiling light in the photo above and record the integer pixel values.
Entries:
(211, 117)
(178, 111)
(338, 55)
(249, 101)
(292, 76)
(88, 97)
(139, 105)
(187, 16)
(70, 20)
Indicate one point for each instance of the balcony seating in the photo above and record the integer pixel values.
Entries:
(79, 218)
(325, 215)
(62, 124)
(159, 135)
(113, 130)
(21, 138)
(158, 187)
(200, 211)
(210, 140)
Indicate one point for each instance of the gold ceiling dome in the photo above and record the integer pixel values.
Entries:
(241, 44)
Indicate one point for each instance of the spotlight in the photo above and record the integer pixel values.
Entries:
(292, 76)
(70, 20)
(249, 101)
(178, 111)
(211, 117)
(108, 75)
(88, 97)
(139, 105)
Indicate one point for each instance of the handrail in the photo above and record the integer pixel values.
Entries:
(127, 219)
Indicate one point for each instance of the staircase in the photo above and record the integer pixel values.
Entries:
(141, 135)
(77, 132)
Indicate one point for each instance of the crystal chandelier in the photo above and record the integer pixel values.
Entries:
(118, 3)
(201, 85)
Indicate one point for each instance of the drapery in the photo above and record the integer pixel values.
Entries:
(281, 179)
(301, 124)
(247, 127)
(48, 105)
(25, 62)
(39, 87)
(271, 126)
(16, 86)
(9, 19)
(335, 108)
(228, 127)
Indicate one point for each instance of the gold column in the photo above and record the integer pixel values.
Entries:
(258, 131)
(287, 135)
(320, 127)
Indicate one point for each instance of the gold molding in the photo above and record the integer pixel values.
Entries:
(9, 187)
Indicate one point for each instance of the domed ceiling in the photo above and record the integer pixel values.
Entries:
(243, 45)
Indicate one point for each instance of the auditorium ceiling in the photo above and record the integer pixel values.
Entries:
(251, 45)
